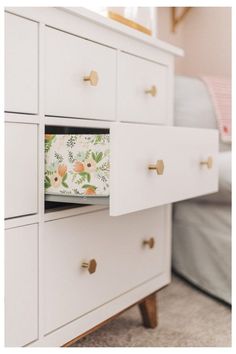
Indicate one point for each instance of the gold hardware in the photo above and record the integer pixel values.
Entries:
(93, 78)
(125, 21)
(150, 242)
(91, 266)
(177, 19)
(208, 162)
(152, 91)
(159, 167)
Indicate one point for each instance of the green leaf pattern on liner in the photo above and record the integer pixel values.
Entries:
(77, 164)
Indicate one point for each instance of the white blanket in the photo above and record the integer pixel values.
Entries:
(202, 226)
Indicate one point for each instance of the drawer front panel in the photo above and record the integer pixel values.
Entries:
(21, 164)
(21, 64)
(123, 261)
(70, 60)
(142, 90)
(21, 289)
(183, 152)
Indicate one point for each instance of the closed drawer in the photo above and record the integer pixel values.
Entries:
(21, 164)
(183, 173)
(21, 285)
(142, 90)
(123, 261)
(21, 64)
(70, 60)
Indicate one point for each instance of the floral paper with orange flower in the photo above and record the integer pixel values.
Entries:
(77, 164)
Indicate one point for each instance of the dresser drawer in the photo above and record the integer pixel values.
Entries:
(182, 156)
(21, 168)
(142, 90)
(21, 64)
(21, 285)
(183, 172)
(117, 244)
(70, 61)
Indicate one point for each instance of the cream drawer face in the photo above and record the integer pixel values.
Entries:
(21, 168)
(142, 90)
(80, 77)
(21, 285)
(121, 248)
(184, 168)
(21, 64)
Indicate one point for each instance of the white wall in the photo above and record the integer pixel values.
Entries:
(205, 35)
(165, 33)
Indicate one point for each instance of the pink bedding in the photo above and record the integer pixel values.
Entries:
(220, 91)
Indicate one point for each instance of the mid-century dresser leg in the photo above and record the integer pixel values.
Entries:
(149, 311)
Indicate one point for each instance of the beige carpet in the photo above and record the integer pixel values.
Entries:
(187, 318)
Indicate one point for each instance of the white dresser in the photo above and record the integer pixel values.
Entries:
(69, 268)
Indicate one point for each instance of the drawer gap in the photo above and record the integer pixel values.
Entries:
(54, 129)
(59, 206)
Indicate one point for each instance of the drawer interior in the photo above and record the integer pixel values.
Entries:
(60, 201)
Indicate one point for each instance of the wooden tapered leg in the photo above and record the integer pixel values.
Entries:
(149, 311)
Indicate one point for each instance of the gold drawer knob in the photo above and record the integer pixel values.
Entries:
(91, 266)
(92, 77)
(208, 162)
(159, 167)
(152, 91)
(150, 242)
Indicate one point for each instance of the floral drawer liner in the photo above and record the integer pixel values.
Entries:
(77, 165)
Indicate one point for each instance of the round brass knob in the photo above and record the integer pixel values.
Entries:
(159, 167)
(150, 242)
(91, 266)
(208, 162)
(152, 91)
(92, 77)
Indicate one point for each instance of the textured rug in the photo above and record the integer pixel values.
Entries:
(187, 318)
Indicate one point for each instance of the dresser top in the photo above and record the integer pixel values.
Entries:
(117, 27)
(47, 16)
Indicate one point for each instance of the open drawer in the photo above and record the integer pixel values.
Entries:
(155, 165)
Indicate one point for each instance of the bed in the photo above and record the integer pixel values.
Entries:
(202, 226)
